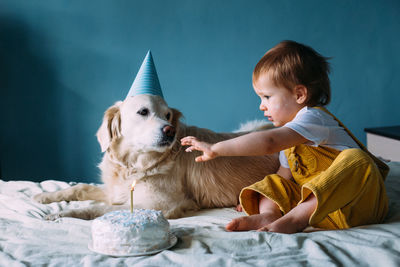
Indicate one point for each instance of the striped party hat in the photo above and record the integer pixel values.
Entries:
(146, 81)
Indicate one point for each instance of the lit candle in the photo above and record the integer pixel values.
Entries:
(132, 189)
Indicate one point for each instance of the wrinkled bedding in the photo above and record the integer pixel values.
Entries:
(28, 240)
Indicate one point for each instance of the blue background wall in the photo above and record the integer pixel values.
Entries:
(62, 63)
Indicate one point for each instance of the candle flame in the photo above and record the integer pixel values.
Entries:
(133, 185)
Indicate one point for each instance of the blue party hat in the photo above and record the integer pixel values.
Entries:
(146, 81)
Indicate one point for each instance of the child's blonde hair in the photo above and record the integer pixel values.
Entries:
(290, 63)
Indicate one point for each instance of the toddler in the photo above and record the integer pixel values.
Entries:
(326, 179)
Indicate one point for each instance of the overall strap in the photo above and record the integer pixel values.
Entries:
(383, 168)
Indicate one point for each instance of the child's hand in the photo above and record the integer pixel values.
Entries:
(195, 144)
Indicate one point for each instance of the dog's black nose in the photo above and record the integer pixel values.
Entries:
(169, 130)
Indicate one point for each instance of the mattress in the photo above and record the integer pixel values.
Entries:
(26, 239)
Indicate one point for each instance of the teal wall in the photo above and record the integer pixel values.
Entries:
(63, 62)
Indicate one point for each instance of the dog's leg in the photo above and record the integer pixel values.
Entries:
(78, 192)
(89, 213)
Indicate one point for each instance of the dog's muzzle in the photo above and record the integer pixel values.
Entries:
(168, 135)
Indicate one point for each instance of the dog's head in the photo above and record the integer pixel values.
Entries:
(142, 123)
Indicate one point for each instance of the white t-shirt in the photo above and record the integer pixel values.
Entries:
(319, 128)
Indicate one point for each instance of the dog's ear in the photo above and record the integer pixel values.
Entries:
(176, 115)
(111, 126)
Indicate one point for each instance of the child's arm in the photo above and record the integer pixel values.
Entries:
(252, 144)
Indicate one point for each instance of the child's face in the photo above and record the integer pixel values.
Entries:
(279, 104)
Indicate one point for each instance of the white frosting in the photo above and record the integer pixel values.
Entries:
(123, 232)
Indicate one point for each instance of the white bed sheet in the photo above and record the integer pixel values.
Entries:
(28, 240)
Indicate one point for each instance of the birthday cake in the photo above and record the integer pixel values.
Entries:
(122, 232)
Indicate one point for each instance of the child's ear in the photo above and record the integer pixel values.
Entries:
(301, 94)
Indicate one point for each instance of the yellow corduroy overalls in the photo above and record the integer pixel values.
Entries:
(348, 185)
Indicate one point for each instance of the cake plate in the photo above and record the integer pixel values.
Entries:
(172, 241)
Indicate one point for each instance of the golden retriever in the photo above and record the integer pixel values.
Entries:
(141, 140)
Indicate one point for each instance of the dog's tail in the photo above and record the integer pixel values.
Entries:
(254, 125)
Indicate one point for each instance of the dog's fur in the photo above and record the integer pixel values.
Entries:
(141, 140)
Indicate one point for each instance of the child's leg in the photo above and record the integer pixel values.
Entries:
(284, 193)
(239, 208)
(265, 201)
(351, 191)
(269, 212)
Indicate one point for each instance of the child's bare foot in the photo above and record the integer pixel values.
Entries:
(296, 220)
(283, 227)
(252, 222)
(287, 224)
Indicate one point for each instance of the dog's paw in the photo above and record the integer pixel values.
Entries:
(173, 213)
(43, 198)
(52, 217)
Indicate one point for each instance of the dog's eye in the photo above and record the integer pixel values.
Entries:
(143, 112)
(168, 116)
